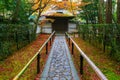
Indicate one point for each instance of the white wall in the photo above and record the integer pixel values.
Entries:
(46, 28)
(71, 27)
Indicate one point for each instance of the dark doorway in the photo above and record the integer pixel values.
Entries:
(60, 25)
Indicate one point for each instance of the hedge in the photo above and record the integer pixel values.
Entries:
(103, 36)
(14, 37)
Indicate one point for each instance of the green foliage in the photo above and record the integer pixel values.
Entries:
(114, 5)
(103, 36)
(10, 9)
(90, 12)
(96, 11)
(111, 75)
(13, 37)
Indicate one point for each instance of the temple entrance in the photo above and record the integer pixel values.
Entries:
(60, 25)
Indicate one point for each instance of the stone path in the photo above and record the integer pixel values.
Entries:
(59, 65)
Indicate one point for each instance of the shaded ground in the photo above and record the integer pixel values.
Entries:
(14, 63)
(109, 67)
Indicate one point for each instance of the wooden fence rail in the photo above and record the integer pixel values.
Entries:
(84, 56)
(37, 55)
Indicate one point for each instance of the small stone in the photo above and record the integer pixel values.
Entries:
(68, 70)
(62, 78)
(67, 73)
(57, 71)
(55, 78)
(52, 69)
(61, 68)
(49, 78)
(51, 74)
(66, 67)
(68, 78)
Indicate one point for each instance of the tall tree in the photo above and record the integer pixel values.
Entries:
(39, 6)
(92, 12)
(16, 12)
(101, 11)
(118, 11)
(109, 11)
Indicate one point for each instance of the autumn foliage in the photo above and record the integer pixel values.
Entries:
(67, 5)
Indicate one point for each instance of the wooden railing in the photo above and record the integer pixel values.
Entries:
(84, 56)
(37, 55)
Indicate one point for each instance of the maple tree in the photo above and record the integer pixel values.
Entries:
(41, 6)
(60, 5)
(73, 5)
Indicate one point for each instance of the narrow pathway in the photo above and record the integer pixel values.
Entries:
(59, 65)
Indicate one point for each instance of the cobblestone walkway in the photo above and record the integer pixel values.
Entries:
(59, 65)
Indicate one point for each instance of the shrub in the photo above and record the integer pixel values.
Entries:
(14, 37)
(106, 34)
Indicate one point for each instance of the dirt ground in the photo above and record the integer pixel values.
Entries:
(109, 67)
(14, 63)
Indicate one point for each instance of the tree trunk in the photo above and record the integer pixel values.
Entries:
(118, 11)
(100, 11)
(16, 12)
(40, 10)
(87, 19)
(39, 14)
(109, 11)
(37, 21)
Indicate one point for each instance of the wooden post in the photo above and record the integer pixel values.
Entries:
(53, 37)
(50, 41)
(46, 47)
(104, 43)
(29, 37)
(69, 41)
(17, 40)
(81, 64)
(38, 63)
(72, 48)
